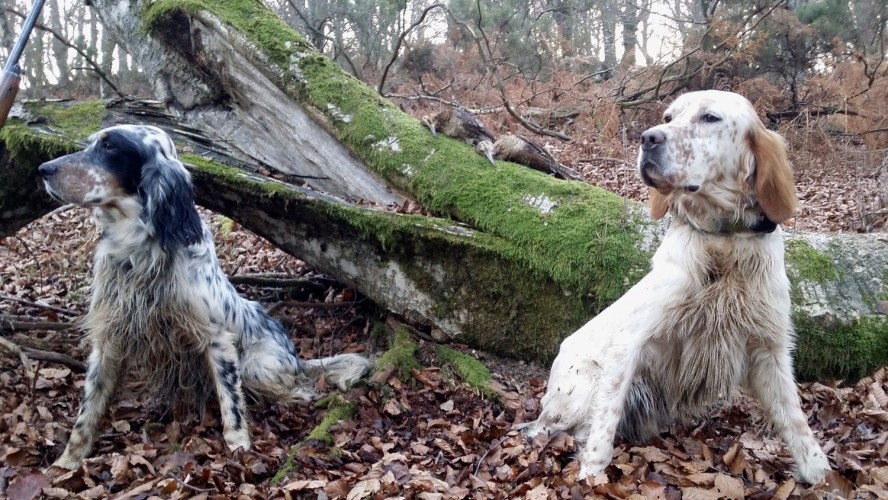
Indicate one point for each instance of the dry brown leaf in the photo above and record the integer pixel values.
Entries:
(734, 458)
(729, 487)
(652, 490)
(785, 489)
(304, 484)
(650, 453)
(27, 486)
(837, 484)
(694, 493)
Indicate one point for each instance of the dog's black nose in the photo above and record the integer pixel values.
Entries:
(47, 169)
(652, 137)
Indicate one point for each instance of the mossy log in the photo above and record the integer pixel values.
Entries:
(530, 259)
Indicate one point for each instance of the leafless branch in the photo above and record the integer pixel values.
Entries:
(637, 97)
(64, 41)
(401, 38)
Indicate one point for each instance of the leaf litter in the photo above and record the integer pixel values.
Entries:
(421, 433)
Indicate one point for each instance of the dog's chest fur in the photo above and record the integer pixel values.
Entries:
(138, 314)
(698, 353)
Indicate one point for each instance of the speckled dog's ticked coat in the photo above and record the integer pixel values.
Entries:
(161, 306)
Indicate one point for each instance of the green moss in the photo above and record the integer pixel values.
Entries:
(77, 121)
(847, 351)
(468, 369)
(32, 148)
(806, 263)
(501, 294)
(401, 355)
(588, 243)
(20, 185)
(338, 409)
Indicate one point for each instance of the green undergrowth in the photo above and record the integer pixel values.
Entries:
(468, 369)
(847, 351)
(401, 355)
(338, 409)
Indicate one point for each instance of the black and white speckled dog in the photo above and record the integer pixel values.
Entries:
(161, 305)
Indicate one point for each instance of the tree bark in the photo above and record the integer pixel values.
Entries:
(530, 258)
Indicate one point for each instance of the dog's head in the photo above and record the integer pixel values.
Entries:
(713, 155)
(126, 165)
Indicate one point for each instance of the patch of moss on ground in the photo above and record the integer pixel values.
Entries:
(468, 369)
(401, 355)
(849, 351)
(807, 263)
(338, 409)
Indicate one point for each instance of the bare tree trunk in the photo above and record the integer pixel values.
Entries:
(609, 36)
(630, 25)
(59, 50)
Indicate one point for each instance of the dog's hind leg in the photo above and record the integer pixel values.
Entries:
(770, 380)
(102, 376)
(222, 359)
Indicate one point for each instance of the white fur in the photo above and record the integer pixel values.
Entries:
(713, 313)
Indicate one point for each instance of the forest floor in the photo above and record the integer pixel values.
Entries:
(420, 433)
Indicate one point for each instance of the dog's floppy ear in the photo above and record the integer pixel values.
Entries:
(168, 201)
(773, 185)
(659, 203)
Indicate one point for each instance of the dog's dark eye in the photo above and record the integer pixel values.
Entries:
(667, 118)
(711, 118)
(107, 146)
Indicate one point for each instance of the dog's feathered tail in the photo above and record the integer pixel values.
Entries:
(342, 369)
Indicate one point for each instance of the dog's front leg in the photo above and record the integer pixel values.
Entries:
(222, 358)
(616, 372)
(102, 376)
(770, 380)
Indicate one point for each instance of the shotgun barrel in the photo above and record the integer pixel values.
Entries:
(12, 74)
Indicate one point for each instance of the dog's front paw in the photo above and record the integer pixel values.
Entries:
(594, 458)
(589, 470)
(235, 439)
(813, 469)
(67, 461)
(531, 429)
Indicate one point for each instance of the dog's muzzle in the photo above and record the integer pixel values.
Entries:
(649, 159)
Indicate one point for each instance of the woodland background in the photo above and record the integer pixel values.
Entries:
(583, 78)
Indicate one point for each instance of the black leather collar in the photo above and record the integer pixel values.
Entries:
(763, 225)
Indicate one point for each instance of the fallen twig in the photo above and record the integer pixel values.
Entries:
(308, 305)
(54, 357)
(593, 159)
(38, 304)
(8, 324)
(271, 281)
(14, 349)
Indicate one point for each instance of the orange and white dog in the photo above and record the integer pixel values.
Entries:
(714, 311)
